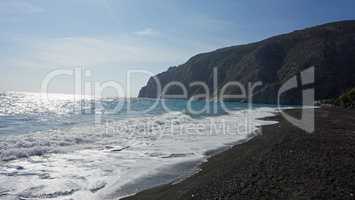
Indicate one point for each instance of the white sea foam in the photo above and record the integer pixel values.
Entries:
(91, 162)
(95, 162)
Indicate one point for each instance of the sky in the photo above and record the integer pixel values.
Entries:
(110, 38)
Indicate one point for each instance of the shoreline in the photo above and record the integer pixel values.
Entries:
(189, 168)
(283, 162)
(168, 175)
(176, 173)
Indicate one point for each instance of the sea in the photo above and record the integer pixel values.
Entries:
(58, 146)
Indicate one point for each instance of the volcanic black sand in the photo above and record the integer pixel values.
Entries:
(283, 162)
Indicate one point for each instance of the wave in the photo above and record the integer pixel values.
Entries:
(94, 161)
(165, 125)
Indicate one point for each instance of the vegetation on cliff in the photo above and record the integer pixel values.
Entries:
(346, 100)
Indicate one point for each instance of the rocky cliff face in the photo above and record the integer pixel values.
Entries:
(330, 48)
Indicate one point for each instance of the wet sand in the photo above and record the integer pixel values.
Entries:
(284, 162)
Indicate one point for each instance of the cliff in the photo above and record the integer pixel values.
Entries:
(330, 48)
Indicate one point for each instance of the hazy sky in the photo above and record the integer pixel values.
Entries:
(110, 37)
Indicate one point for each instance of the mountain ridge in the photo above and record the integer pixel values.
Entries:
(330, 48)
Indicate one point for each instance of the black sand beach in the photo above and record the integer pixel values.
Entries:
(283, 162)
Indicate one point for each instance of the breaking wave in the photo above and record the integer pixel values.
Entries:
(84, 160)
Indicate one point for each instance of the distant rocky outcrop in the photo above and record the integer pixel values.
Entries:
(330, 48)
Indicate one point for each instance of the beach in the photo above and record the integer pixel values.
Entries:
(283, 162)
(177, 100)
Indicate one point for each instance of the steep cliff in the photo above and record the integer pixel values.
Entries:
(330, 48)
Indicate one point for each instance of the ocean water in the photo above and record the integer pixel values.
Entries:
(65, 147)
